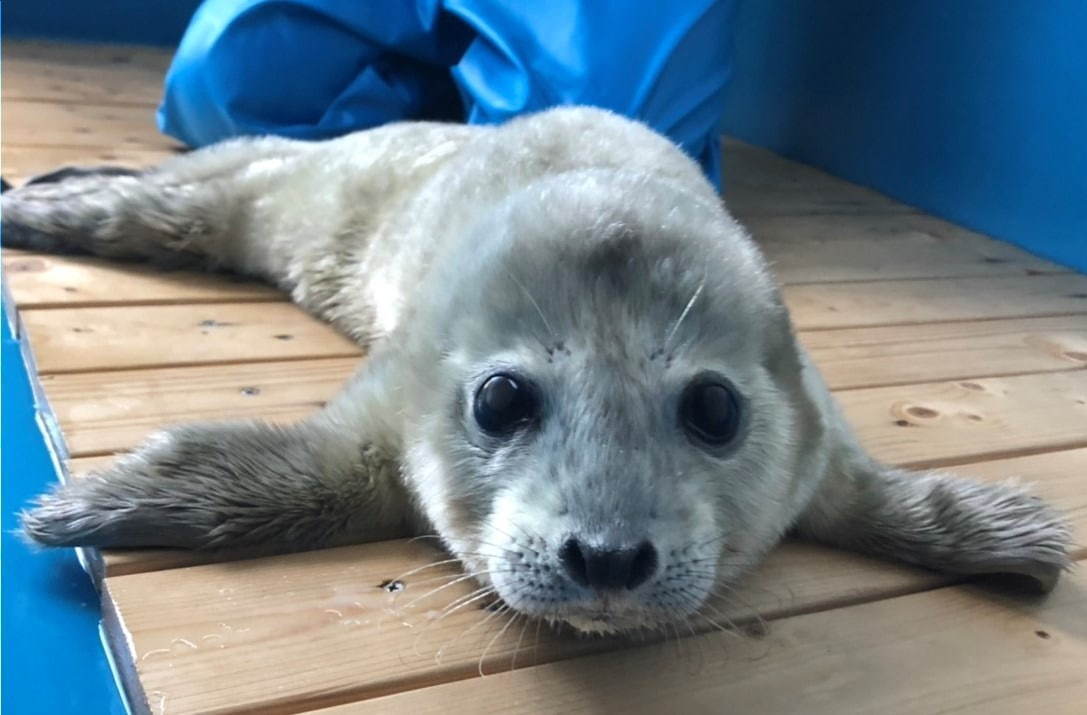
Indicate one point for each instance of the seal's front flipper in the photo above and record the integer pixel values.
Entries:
(184, 212)
(939, 521)
(212, 486)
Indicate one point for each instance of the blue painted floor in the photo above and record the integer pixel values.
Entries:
(53, 662)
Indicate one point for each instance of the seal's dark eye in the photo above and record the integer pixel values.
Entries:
(710, 412)
(503, 404)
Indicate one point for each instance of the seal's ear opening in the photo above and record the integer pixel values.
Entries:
(940, 522)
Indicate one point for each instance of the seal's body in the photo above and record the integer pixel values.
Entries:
(581, 376)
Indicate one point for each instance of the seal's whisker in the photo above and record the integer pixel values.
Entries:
(534, 303)
(512, 538)
(752, 616)
(490, 643)
(517, 647)
(536, 645)
(456, 578)
(416, 570)
(464, 601)
(733, 596)
(683, 315)
(454, 582)
(504, 607)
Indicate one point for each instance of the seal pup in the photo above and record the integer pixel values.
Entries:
(581, 373)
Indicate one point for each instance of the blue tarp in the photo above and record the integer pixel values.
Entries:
(314, 69)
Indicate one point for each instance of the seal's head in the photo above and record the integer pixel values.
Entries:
(609, 439)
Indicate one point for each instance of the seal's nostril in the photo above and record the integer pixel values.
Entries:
(573, 560)
(642, 566)
(608, 568)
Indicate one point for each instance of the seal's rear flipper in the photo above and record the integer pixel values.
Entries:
(939, 521)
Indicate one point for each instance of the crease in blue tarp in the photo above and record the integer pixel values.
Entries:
(313, 69)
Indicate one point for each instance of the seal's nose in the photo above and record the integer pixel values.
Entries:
(608, 568)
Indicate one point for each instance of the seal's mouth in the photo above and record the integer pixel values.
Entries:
(608, 622)
(606, 616)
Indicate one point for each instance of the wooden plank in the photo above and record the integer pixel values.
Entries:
(85, 339)
(310, 629)
(33, 123)
(111, 57)
(868, 357)
(23, 162)
(811, 249)
(1055, 476)
(843, 305)
(945, 423)
(758, 182)
(957, 649)
(41, 280)
(86, 73)
(112, 411)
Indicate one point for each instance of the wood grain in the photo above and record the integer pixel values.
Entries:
(311, 629)
(113, 338)
(842, 305)
(957, 649)
(41, 280)
(112, 411)
(36, 123)
(944, 423)
(822, 249)
(760, 183)
(83, 73)
(850, 358)
(23, 162)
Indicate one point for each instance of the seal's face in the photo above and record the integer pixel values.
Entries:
(611, 448)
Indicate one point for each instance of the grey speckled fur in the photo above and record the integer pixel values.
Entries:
(573, 247)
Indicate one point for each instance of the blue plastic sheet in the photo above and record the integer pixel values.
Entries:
(314, 69)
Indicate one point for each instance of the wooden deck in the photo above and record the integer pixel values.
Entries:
(946, 349)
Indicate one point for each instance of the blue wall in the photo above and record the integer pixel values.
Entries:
(975, 110)
(149, 22)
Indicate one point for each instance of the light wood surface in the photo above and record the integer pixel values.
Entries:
(824, 249)
(944, 347)
(111, 411)
(901, 354)
(949, 650)
(760, 183)
(104, 412)
(33, 122)
(841, 305)
(38, 280)
(71, 74)
(943, 423)
(318, 627)
(23, 162)
(84, 339)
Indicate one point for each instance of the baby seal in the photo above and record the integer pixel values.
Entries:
(581, 373)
